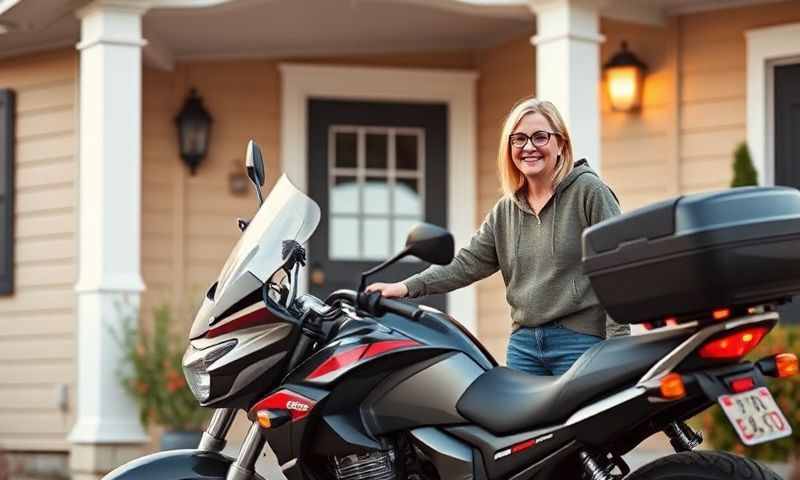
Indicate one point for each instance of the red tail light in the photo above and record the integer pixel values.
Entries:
(734, 345)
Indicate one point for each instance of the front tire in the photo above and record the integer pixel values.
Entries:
(703, 466)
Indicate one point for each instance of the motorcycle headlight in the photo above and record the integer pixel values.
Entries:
(196, 364)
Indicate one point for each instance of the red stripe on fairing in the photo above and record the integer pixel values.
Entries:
(338, 361)
(387, 346)
(523, 446)
(297, 405)
(358, 352)
(258, 317)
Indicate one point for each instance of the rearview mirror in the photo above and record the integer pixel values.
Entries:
(427, 242)
(431, 243)
(254, 163)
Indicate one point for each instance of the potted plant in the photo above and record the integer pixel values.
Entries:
(151, 372)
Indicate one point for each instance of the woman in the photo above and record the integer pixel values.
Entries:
(533, 236)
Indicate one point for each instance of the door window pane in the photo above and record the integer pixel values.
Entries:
(346, 149)
(377, 150)
(406, 151)
(407, 200)
(344, 195)
(376, 238)
(376, 196)
(343, 238)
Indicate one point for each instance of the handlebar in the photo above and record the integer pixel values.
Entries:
(375, 304)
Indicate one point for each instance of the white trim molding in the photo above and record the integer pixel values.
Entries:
(766, 47)
(456, 89)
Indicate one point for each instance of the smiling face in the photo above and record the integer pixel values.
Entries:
(537, 163)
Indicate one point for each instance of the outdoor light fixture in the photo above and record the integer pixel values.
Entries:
(194, 130)
(625, 79)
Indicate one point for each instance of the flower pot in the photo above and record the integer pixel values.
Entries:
(178, 440)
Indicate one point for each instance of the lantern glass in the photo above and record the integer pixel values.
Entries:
(194, 137)
(624, 87)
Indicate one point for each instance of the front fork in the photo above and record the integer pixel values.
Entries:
(213, 440)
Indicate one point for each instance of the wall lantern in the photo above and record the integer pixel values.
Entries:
(194, 130)
(625, 80)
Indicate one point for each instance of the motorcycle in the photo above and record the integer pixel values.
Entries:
(360, 387)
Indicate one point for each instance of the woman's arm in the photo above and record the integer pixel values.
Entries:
(601, 204)
(472, 263)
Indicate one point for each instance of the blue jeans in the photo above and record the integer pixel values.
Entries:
(546, 350)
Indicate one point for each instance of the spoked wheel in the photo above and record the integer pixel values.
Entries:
(703, 466)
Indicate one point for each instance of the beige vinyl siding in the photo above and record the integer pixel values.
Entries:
(37, 322)
(713, 89)
(507, 74)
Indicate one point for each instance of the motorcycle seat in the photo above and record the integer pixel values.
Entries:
(506, 401)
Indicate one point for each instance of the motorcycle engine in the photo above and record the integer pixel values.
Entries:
(377, 465)
(401, 460)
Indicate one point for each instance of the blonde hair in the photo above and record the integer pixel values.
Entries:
(511, 179)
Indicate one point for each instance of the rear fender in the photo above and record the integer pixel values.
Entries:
(176, 465)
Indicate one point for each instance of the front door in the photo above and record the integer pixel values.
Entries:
(375, 169)
(787, 144)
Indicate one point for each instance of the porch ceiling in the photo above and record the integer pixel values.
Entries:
(281, 28)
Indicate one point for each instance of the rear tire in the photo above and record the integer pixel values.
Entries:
(704, 466)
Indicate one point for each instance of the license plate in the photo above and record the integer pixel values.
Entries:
(755, 416)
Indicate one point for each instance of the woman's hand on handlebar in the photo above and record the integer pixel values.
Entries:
(389, 290)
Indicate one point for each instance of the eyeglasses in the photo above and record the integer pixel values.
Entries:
(538, 139)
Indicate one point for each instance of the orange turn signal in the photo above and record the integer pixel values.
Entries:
(672, 387)
(786, 364)
(263, 419)
(721, 314)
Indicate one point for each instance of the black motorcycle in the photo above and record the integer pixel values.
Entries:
(359, 387)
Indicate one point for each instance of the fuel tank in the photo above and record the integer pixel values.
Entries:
(438, 329)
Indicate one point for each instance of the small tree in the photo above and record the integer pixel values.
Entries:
(744, 173)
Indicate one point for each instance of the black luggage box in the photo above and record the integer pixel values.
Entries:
(697, 253)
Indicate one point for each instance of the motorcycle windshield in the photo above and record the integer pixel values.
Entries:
(287, 214)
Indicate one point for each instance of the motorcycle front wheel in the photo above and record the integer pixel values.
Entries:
(703, 466)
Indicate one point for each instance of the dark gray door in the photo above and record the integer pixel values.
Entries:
(375, 169)
(787, 144)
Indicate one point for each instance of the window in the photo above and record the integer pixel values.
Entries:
(376, 189)
(6, 191)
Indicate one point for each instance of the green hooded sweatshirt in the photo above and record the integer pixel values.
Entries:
(538, 256)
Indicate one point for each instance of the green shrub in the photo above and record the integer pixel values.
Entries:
(153, 375)
(744, 173)
(720, 434)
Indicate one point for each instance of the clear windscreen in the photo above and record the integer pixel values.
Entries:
(286, 214)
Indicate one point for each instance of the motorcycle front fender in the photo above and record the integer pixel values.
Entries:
(176, 465)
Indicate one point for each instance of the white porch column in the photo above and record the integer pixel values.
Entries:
(107, 428)
(568, 68)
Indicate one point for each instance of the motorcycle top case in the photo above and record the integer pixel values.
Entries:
(693, 254)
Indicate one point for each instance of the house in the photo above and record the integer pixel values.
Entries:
(402, 96)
